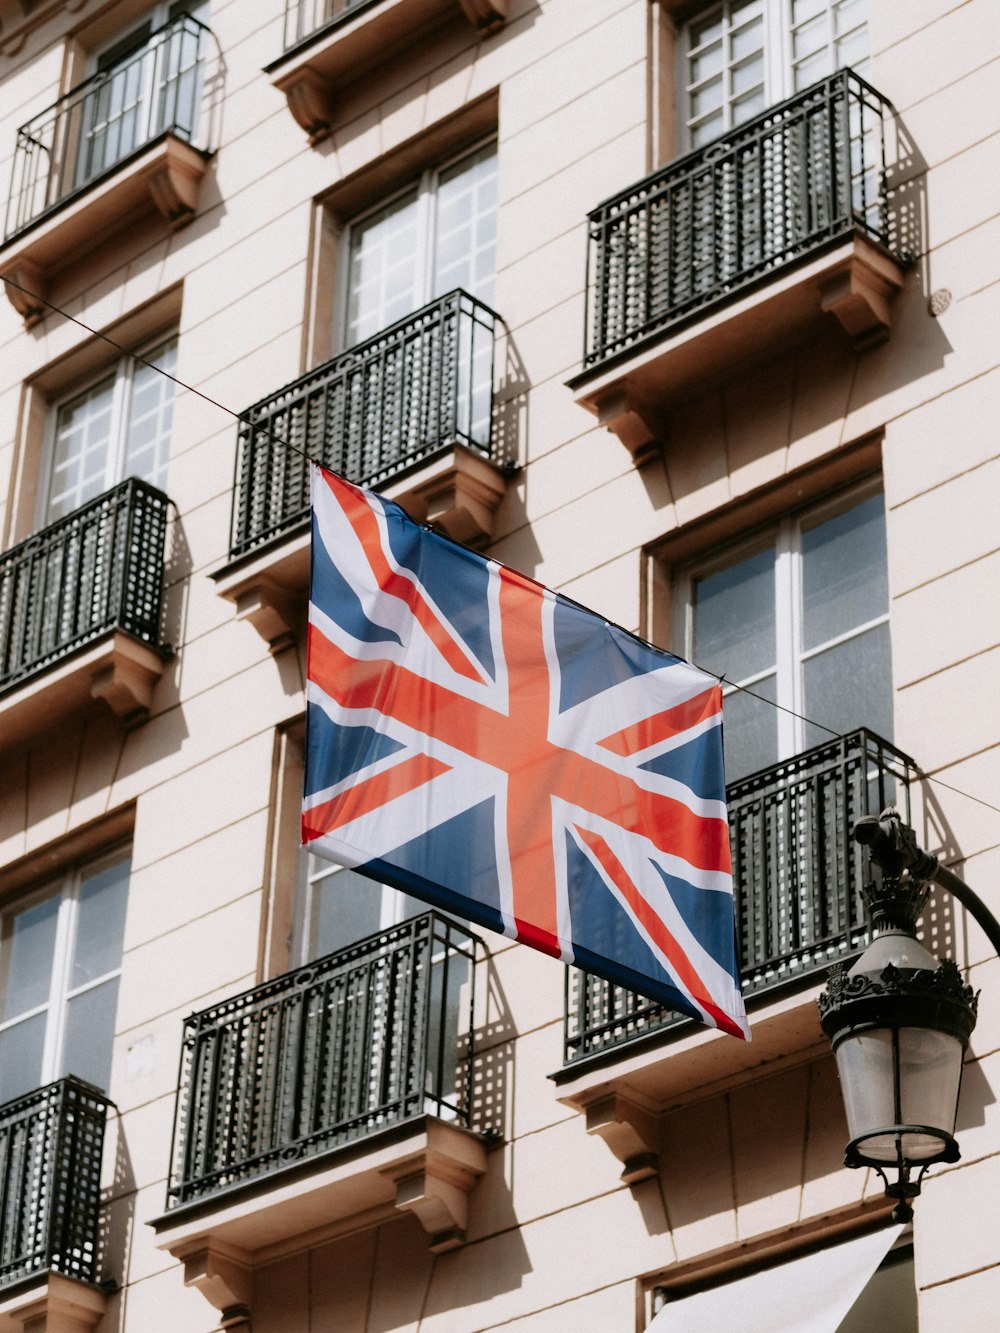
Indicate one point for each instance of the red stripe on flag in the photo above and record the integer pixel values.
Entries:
(363, 521)
(663, 726)
(666, 942)
(370, 794)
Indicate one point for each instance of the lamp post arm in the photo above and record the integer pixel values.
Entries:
(893, 846)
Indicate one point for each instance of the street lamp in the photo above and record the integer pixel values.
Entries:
(899, 1021)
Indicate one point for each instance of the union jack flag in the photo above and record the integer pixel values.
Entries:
(503, 753)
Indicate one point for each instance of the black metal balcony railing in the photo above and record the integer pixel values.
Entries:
(796, 882)
(304, 18)
(778, 188)
(99, 569)
(103, 121)
(50, 1181)
(422, 385)
(345, 1046)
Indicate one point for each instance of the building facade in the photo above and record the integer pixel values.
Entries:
(681, 309)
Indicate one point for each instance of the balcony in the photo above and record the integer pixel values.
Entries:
(747, 242)
(122, 144)
(797, 876)
(80, 612)
(409, 411)
(336, 1093)
(50, 1173)
(330, 43)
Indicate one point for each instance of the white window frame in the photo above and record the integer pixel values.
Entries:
(778, 65)
(786, 537)
(123, 370)
(61, 992)
(309, 870)
(426, 187)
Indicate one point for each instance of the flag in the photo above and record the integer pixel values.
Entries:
(499, 751)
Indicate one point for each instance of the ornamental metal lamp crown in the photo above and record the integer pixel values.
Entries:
(899, 1022)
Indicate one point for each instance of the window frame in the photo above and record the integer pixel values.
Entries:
(66, 888)
(784, 533)
(426, 184)
(123, 369)
(779, 63)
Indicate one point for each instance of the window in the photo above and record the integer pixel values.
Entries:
(800, 616)
(60, 961)
(742, 56)
(335, 907)
(434, 237)
(117, 428)
(152, 83)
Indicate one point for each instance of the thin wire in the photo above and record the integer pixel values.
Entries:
(189, 388)
(287, 444)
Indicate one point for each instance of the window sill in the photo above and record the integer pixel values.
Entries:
(310, 73)
(117, 669)
(56, 1304)
(428, 1169)
(623, 1093)
(854, 281)
(457, 491)
(164, 178)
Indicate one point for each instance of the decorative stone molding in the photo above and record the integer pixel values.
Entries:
(166, 179)
(630, 1131)
(458, 492)
(117, 670)
(57, 1305)
(224, 1276)
(312, 72)
(427, 1167)
(634, 395)
(270, 591)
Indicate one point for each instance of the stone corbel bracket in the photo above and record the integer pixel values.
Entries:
(224, 1276)
(311, 73)
(458, 493)
(631, 1131)
(436, 1189)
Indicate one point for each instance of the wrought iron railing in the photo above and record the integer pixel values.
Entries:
(103, 121)
(304, 18)
(776, 189)
(96, 570)
(796, 882)
(50, 1181)
(422, 385)
(348, 1045)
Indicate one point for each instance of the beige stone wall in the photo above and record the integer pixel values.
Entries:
(747, 1158)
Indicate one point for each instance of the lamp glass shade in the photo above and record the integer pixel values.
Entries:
(930, 1072)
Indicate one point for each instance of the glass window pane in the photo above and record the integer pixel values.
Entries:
(382, 278)
(707, 99)
(26, 947)
(90, 1030)
(750, 730)
(747, 41)
(21, 1057)
(707, 29)
(706, 64)
(342, 908)
(147, 442)
(844, 577)
(734, 630)
(850, 686)
(80, 452)
(100, 924)
(465, 226)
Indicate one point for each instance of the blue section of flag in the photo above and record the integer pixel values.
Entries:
(342, 750)
(696, 766)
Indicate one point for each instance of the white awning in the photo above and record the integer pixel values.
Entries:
(807, 1295)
